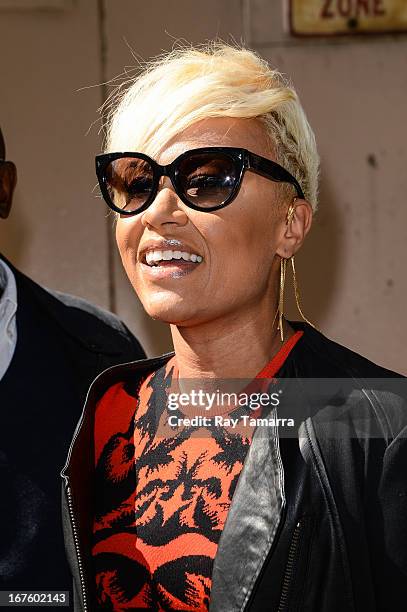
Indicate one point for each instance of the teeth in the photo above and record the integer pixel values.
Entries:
(153, 257)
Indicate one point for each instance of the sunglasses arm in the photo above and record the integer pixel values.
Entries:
(271, 170)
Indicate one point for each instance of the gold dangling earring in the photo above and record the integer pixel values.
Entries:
(297, 293)
(280, 310)
(283, 268)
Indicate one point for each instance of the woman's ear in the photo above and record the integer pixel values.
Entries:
(298, 222)
(8, 180)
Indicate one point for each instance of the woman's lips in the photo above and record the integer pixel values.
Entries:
(175, 268)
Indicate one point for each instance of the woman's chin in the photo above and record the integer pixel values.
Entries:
(170, 309)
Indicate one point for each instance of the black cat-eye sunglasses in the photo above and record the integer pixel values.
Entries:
(205, 179)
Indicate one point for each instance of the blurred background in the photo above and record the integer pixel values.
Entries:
(56, 53)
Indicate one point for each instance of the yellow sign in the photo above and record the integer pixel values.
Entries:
(325, 17)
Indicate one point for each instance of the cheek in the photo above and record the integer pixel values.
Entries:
(128, 236)
(243, 246)
(245, 240)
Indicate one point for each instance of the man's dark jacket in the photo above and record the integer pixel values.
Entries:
(63, 342)
(318, 520)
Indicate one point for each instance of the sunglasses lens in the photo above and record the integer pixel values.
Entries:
(207, 179)
(129, 182)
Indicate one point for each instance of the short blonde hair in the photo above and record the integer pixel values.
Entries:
(189, 84)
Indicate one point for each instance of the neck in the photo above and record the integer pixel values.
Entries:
(231, 347)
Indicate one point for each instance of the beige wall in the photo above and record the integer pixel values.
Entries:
(354, 91)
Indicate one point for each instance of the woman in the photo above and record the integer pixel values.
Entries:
(212, 170)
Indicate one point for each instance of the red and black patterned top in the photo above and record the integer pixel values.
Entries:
(162, 496)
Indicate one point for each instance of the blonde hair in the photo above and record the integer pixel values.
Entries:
(189, 84)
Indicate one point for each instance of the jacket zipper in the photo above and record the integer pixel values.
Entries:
(290, 567)
(78, 552)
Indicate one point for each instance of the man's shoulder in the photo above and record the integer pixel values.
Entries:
(88, 325)
(77, 307)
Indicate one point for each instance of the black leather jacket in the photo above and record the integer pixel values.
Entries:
(318, 520)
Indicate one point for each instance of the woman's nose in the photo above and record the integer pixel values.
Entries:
(165, 208)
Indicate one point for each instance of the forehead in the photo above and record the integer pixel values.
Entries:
(218, 132)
